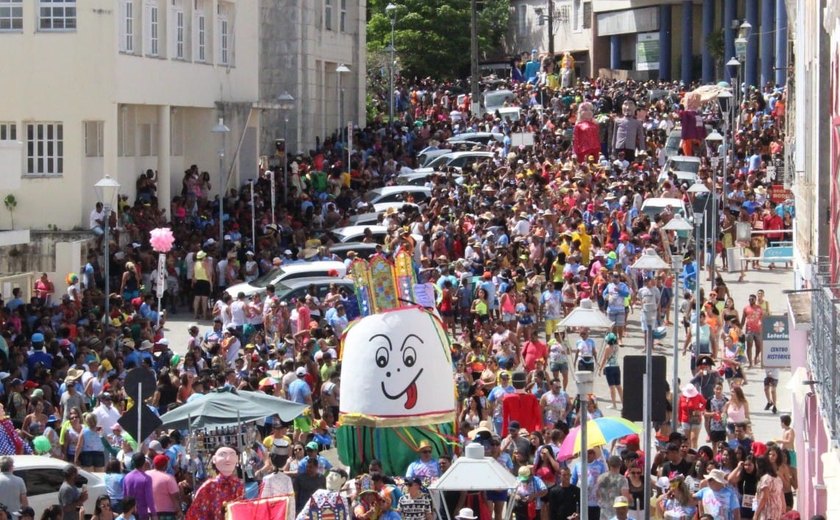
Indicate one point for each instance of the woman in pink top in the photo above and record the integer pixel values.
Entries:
(737, 410)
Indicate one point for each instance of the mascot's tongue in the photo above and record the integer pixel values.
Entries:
(411, 396)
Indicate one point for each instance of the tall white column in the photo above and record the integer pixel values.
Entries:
(164, 176)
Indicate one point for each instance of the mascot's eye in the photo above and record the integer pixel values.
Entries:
(381, 357)
(409, 356)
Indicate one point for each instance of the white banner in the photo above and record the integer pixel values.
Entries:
(161, 275)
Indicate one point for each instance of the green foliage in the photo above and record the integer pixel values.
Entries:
(11, 204)
(437, 33)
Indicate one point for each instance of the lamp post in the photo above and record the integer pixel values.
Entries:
(342, 68)
(697, 188)
(676, 224)
(253, 217)
(712, 141)
(222, 130)
(106, 191)
(734, 67)
(391, 11)
(286, 104)
(583, 381)
(648, 261)
(273, 194)
(726, 108)
(586, 315)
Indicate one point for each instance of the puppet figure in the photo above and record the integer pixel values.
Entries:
(628, 133)
(586, 140)
(567, 70)
(693, 130)
(328, 504)
(211, 497)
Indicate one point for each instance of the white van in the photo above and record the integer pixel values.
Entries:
(289, 272)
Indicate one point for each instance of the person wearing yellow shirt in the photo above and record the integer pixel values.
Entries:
(585, 242)
(278, 431)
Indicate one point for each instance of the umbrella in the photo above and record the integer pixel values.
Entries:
(599, 432)
(269, 381)
(226, 407)
(709, 92)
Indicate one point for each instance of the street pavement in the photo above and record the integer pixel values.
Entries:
(765, 425)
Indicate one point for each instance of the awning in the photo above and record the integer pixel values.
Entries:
(799, 310)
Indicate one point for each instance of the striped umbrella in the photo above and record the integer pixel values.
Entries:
(599, 432)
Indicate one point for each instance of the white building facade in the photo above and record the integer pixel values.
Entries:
(118, 87)
(571, 27)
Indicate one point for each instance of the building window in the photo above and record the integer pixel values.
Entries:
(94, 131)
(521, 19)
(128, 26)
(125, 132)
(224, 38)
(179, 35)
(44, 148)
(57, 15)
(577, 15)
(148, 139)
(11, 15)
(342, 21)
(587, 15)
(201, 37)
(152, 29)
(8, 132)
(328, 5)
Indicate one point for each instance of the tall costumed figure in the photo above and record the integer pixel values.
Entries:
(586, 139)
(398, 390)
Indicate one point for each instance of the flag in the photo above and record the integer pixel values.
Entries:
(261, 509)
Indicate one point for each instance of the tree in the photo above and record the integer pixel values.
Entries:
(11, 204)
(432, 37)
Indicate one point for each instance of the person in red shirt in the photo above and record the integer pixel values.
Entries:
(691, 407)
(533, 350)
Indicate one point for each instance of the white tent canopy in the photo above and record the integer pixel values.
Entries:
(472, 473)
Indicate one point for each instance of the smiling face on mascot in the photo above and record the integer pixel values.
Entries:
(397, 364)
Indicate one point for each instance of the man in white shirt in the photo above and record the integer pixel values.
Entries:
(523, 227)
(239, 312)
(97, 220)
(106, 415)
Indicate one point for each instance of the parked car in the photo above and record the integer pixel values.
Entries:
(357, 233)
(397, 194)
(494, 99)
(364, 250)
(288, 272)
(43, 477)
(297, 288)
(460, 159)
(656, 205)
(418, 177)
(683, 163)
(477, 137)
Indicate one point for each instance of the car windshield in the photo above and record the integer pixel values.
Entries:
(371, 195)
(685, 166)
(263, 281)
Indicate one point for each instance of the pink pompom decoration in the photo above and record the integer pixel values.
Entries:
(161, 239)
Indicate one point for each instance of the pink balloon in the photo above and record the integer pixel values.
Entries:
(161, 239)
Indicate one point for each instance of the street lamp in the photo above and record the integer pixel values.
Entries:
(676, 224)
(222, 130)
(391, 11)
(583, 381)
(286, 104)
(648, 261)
(586, 315)
(342, 68)
(106, 191)
(713, 140)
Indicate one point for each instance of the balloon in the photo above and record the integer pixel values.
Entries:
(72, 278)
(161, 239)
(176, 360)
(42, 445)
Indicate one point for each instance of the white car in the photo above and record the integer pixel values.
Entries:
(43, 477)
(460, 159)
(397, 194)
(357, 233)
(288, 272)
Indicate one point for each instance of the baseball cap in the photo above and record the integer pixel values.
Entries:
(312, 446)
(156, 446)
(301, 372)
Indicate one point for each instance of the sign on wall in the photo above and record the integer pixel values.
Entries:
(775, 336)
(647, 51)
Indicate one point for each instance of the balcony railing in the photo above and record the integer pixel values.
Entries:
(824, 353)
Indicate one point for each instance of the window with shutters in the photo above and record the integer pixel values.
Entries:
(328, 11)
(521, 19)
(11, 15)
(94, 131)
(201, 37)
(57, 15)
(8, 131)
(44, 148)
(179, 34)
(127, 27)
(587, 15)
(224, 41)
(152, 29)
(342, 20)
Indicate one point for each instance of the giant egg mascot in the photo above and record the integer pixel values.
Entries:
(586, 139)
(397, 387)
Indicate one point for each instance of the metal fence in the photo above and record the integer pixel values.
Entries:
(824, 353)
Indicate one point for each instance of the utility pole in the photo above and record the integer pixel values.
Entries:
(551, 29)
(474, 94)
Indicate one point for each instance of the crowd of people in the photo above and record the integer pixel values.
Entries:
(512, 244)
